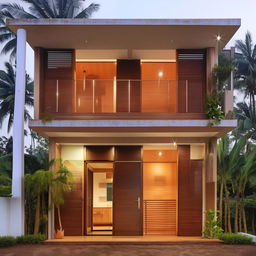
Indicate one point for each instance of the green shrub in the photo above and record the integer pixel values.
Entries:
(235, 239)
(31, 239)
(214, 111)
(211, 227)
(6, 241)
(5, 191)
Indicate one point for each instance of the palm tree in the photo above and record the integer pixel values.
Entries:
(61, 184)
(7, 36)
(246, 67)
(7, 95)
(41, 182)
(40, 9)
(246, 120)
(241, 177)
(229, 159)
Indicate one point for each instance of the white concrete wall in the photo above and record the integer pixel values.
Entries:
(72, 152)
(5, 216)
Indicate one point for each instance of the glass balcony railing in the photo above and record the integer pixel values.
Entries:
(127, 96)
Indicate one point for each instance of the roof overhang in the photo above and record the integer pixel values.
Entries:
(126, 33)
(131, 131)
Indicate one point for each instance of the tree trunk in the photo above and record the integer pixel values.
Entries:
(225, 214)
(44, 214)
(37, 216)
(240, 218)
(227, 211)
(229, 218)
(244, 219)
(221, 203)
(236, 212)
(253, 222)
(59, 218)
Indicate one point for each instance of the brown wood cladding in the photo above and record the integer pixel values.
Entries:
(189, 193)
(128, 153)
(127, 217)
(194, 71)
(128, 70)
(99, 153)
(102, 216)
(71, 211)
(160, 217)
(210, 191)
(65, 77)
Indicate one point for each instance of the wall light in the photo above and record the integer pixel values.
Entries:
(218, 37)
(160, 153)
(160, 74)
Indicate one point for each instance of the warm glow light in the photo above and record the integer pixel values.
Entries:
(218, 37)
(174, 144)
(160, 74)
(160, 153)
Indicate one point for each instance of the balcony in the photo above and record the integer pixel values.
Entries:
(79, 99)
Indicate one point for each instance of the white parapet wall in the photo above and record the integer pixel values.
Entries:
(5, 216)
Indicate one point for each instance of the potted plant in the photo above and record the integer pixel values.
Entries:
(60, 185)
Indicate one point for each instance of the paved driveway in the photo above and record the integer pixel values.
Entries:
(129, 250)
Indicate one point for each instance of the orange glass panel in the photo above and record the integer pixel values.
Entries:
(160, 155)
(158, 87)
(159, 181)
(95, 87)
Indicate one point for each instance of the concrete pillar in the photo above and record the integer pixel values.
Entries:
(17, 200)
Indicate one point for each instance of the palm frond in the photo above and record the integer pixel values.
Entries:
(87, 12)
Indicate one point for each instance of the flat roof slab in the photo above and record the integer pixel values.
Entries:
(126, 33)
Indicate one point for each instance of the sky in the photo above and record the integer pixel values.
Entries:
(121, 9)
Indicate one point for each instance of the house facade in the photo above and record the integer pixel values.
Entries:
(123, 104)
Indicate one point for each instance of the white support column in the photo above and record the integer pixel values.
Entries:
(17, 201)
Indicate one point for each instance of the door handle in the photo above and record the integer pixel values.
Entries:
(138, 202)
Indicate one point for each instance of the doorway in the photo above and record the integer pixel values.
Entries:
(113, 191)
(99, 220)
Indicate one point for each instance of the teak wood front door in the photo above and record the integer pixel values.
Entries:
(127, 198)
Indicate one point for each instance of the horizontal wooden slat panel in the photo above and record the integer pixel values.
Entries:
(160, 217)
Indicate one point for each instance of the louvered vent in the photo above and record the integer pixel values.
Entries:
(191, 56)
(59, 59)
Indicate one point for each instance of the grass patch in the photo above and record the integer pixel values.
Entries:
(235, 239)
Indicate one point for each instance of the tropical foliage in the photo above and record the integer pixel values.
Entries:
(237, 151)
(211, 227)
(46, 9)
(7, 95)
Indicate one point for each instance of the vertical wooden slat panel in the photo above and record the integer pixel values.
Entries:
(128, 70)
(71, 211)
(192, 69)
(65, 75)
(127, 191)
(127, 216)
(189, 193)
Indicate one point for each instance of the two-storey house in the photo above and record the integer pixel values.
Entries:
(122, 102)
